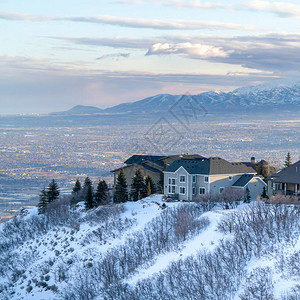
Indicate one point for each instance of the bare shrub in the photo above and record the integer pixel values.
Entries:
(259, 285)
(283, 199)
(231, 197)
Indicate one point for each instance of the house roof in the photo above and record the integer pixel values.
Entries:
(209, 166)
(243, 180)
(152, 163)
(140, 159)
(290, 174)
(183, 156)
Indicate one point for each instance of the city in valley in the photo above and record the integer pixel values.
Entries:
(31, 156)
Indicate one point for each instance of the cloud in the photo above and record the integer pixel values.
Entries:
(282, 9)
(196, 51)
(131, 2)
(197, 4)
(114, 55)
(24, 17)
(31, 85)
(134, 22)
(114, 42)
(270, 52)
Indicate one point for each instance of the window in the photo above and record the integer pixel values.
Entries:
(221, 190)
(172, 181)
(182, 178)
(230, 178)
(171, 189)
(182, 190)
(172, 186)
(194, 190)
(194, 178)
(201, 191)
(206, 179)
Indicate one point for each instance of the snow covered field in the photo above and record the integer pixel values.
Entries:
(143, 250)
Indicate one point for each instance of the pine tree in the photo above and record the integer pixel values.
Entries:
(138, 188)
(149, 192)
(88, 193)
(150, 186)
(101, 195)
(52, 191)
(121, 190)
(77, 187)
(89, 198)
(247, 195)
(288, 160)
(264, 193)
(43, 201)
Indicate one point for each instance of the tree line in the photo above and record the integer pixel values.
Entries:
(92, 198)
(140, 188)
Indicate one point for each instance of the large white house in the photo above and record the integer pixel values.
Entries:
(187, 178)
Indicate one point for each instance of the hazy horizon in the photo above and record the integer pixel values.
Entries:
(62, 54)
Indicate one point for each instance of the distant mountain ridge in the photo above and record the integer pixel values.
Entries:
(80, 110)
(280, 95)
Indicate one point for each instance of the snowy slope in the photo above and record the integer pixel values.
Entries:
(125, 251)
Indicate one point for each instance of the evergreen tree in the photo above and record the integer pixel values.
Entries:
(77, 187)
(87, 183)
(247, 195)
(89, 198)
(121, 191)
(43, 201)
(52, 191)
(288, 160)
(264, 193)
(138, 188)
(150, 186)
(101, 195)
(149, 192)
(88, 193)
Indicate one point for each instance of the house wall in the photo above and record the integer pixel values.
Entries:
(187, 184)
(270, 188)
(200, 182)
(255, 187)
(218, 181)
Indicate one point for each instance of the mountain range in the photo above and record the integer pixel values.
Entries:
(273, 96)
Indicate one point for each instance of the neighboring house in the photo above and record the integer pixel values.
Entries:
(256, 166)
(149, 165)
(186, 178)
(286, 181)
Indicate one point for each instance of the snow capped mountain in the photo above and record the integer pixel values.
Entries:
(279, 94)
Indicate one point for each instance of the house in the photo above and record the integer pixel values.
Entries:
(187, 178)
(152, 165)
(149, 165)
(286, 181)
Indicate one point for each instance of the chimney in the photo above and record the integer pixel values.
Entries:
(253, 160)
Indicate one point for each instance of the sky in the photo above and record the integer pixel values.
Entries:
(61, 53)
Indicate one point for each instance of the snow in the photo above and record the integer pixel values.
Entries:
(207, 240)
(63, 243)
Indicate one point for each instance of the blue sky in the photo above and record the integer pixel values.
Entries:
(57, 54)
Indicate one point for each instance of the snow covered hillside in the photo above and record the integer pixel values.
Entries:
(152, 250)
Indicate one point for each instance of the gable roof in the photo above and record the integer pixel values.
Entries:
(290, 174)
(141, 159)
(243, 180)
(209, 166)
(152, 163)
